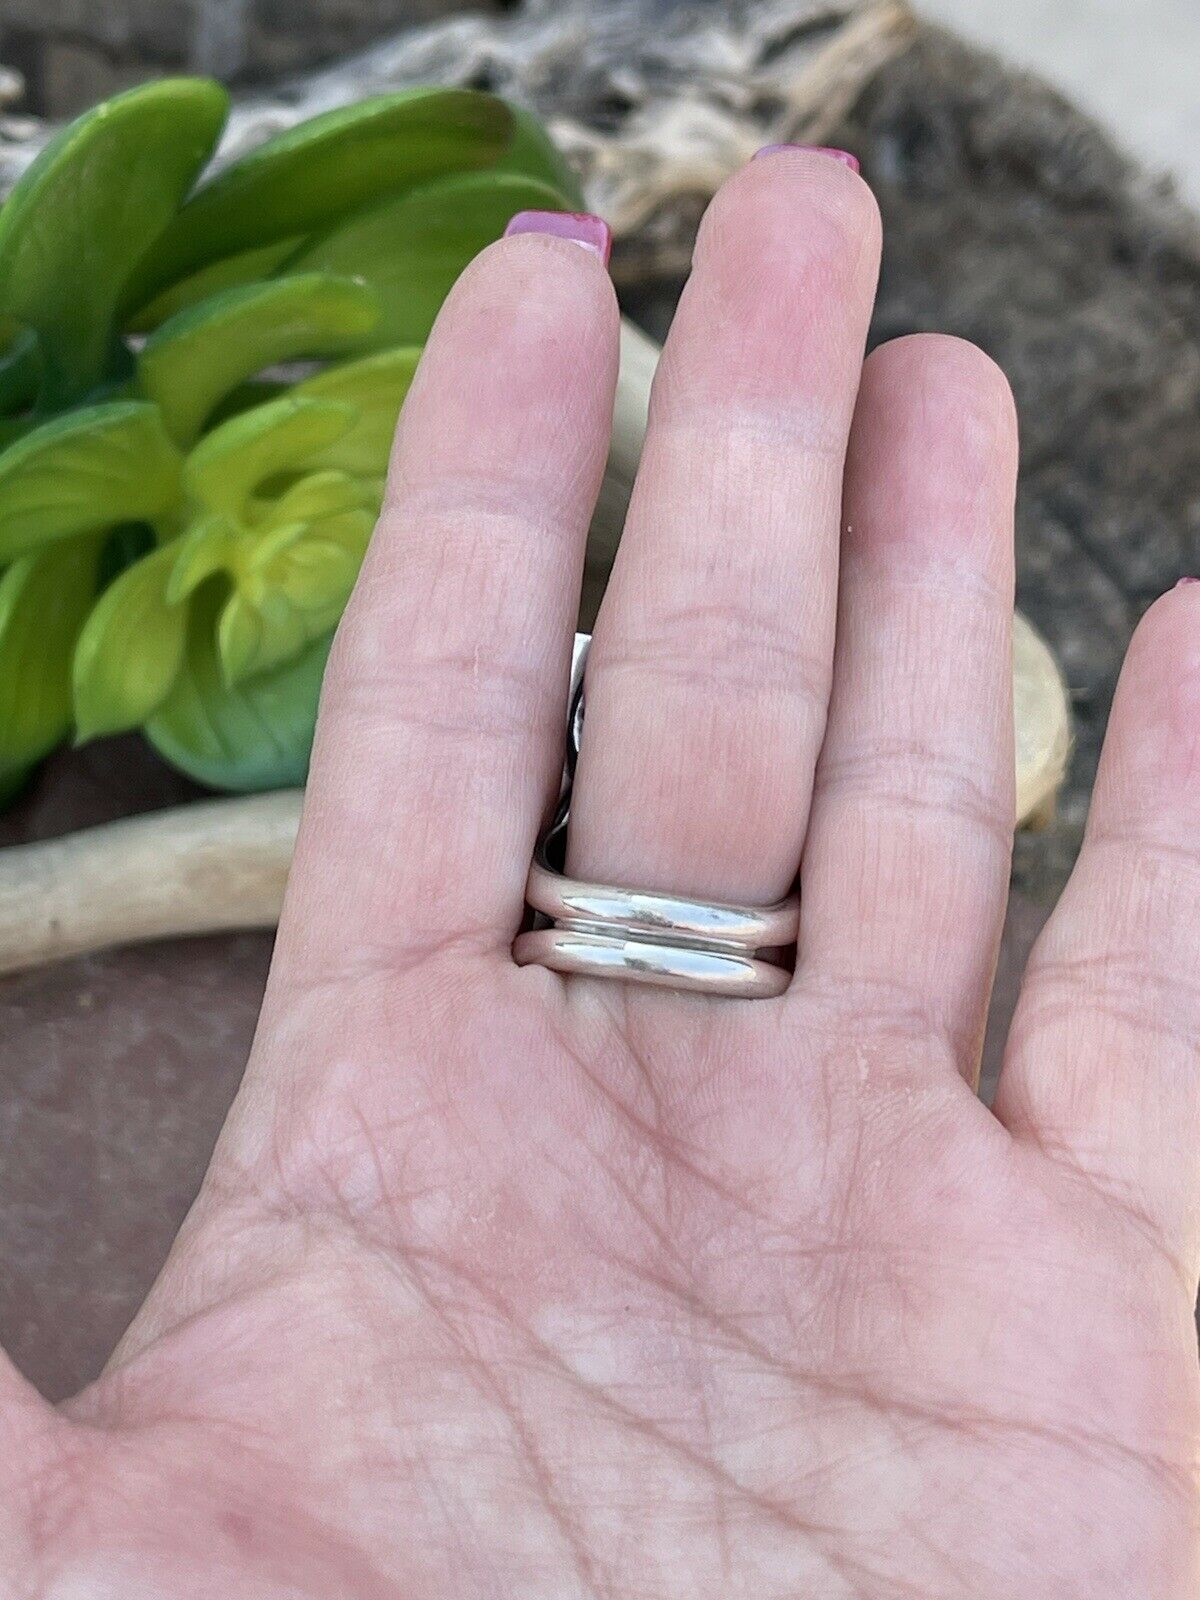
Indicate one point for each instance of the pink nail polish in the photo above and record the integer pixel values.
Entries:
(581, 227)
(843, 156)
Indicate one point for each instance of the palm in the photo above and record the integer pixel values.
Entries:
(502, 1284)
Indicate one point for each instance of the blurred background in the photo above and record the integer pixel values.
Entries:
(1132, 63)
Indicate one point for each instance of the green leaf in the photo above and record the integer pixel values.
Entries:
(232, 461)
(375, 387)
(323, 169)
(299, 596)
(199, 356)
(248, 266)
(256, 735)
(86, 211)
(532, 151)
(322, 495)
(20, 369)
(411, 248)
(44, 600)
(130, 650)
(89, 469)
(207, 548)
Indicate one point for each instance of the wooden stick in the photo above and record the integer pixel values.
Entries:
(206, 868)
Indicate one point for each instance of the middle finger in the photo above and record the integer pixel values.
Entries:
(709, 675)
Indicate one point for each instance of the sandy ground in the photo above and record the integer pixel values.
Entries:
(1133, 63)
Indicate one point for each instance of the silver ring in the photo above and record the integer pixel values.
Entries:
(645, 936)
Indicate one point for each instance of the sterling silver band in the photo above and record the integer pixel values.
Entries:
(695, 969)
(646, 936)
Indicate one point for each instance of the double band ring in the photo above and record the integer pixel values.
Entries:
(642, 935)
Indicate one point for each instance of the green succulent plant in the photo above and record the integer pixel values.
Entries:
(183, 505)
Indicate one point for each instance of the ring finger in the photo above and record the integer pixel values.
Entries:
(709, 675)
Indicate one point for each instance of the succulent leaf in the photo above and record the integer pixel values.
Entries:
(87, 470)
(412, 247)
(130, 650)
(181, 520)
(44, 600)
(200, 355)
(532, 152)
(321, 495)
(352, 530)
(229, 272)
(208, 547)
(282, 436)
(249, 736)
(85, 212)
(20, 370)
(375, 387)
(302, 592)
(325, 168)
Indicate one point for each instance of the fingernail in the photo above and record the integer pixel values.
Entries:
(1183, 582)
(581, 227)
(815, 149)
(843, 156)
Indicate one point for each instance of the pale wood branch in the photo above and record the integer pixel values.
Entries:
(205, 868)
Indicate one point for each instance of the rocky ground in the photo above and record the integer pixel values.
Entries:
(1133, 66)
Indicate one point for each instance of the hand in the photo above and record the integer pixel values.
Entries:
(502, 1284)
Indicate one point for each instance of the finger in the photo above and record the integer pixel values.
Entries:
(906, 864)
(29, 1440)
(709, 673)
(440, 736)
(1103, 1064)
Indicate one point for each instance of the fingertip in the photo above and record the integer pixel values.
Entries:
(534, 277)
(958, 395)
(932, 465)
(525, 349)
(1165, 647)
(801, 203)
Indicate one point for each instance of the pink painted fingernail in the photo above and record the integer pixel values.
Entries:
(843, 156)
(581, 227)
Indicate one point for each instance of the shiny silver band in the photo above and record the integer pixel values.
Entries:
(642, 935)
(696, 969)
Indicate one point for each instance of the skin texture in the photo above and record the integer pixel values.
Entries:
(504, 1284)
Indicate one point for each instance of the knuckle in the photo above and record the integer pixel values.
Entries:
(737, 649)
(909, 778)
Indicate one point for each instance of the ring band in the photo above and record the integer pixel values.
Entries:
(646, 936)
(694, 969)
(650, 914)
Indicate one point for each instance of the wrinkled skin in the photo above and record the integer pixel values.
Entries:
(503, 1284)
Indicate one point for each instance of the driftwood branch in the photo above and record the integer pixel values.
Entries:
(206, 868)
